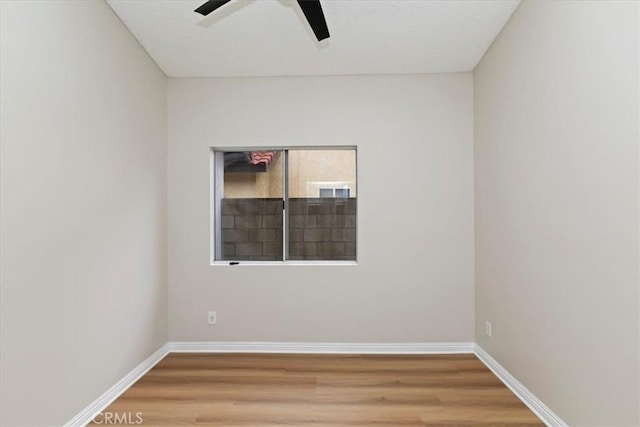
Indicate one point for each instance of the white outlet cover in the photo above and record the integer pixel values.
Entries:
(212, 318)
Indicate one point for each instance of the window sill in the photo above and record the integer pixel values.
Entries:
(281, 263)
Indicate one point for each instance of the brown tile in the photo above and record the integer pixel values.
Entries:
(302, 221)
(331, 250)
(343, 234)
(249, 248)
(232, 235)
(317, 234)
(263, 235)
(248, 221)
(304, 250)
(272, 249)
(227, 221)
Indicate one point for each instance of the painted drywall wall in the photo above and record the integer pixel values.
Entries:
(556, 199)
(83, 214)
(415, 185)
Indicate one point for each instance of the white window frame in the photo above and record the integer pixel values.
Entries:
(216, 193)
(327, 185)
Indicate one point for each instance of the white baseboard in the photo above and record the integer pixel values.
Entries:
(98, 405)
(325, 348)
(540, 409)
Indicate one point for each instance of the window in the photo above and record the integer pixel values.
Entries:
(331, 192)
(295, 204)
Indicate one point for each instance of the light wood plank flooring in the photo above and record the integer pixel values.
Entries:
(322, 390)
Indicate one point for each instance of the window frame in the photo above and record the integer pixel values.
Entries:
(216, 183)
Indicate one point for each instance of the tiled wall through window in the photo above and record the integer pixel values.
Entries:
(319, 229)
(322, 229)
(252, 229)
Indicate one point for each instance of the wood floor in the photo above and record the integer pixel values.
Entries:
(321, 390)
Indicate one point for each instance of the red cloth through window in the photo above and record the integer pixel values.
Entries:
(265, 157)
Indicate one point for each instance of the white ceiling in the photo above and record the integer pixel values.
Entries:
(272, 37)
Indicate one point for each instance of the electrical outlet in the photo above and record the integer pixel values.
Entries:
(487, 328)
(213, 318)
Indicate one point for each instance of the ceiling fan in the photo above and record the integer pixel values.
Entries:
(311, 8)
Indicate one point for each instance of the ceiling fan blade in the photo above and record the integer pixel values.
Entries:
(313, 12)
(210, 6)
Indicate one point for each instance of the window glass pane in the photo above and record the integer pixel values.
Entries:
(342, 192)
(250, 215)
(322, 205)
(326, 192)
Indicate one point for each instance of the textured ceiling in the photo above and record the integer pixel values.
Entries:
(272, 37)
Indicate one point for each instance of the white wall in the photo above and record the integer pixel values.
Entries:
(83, 215)
(414, 279)
(556, 198)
